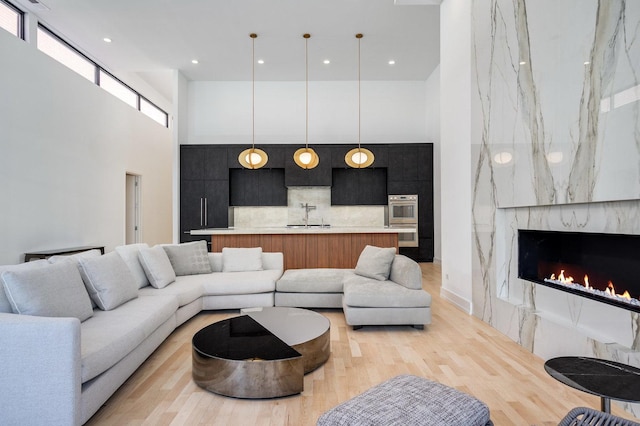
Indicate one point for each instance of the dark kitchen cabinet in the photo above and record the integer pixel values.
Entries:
(208, 163)
(262, 187)
(318, 176)
(204, 189)
(204, 204)
(366, 187)
(403, 163)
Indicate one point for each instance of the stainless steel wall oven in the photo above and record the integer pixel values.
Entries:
(403, 213)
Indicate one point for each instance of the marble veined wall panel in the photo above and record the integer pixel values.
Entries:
(558, 89)
(555, 146)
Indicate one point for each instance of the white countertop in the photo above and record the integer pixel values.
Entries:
(302, 230)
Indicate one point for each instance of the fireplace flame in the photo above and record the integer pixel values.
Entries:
(610, 291)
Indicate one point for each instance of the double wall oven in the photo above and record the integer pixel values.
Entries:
(403, 213)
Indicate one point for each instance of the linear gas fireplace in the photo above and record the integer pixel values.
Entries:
(603, 267)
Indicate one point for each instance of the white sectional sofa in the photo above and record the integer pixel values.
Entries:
(74, 328)
(61, 358)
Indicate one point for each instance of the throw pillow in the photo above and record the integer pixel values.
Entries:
(157, 266)
(5, 306)
(375, 262)
(129, 254)
(54, 290)
(108, 280)
(189, 258)
(241, 259)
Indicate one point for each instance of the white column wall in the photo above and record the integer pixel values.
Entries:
(455, 151)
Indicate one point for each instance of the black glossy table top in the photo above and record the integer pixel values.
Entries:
(607, 379)
(241, 338)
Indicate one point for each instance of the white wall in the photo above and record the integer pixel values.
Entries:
(432, 123)
(391, 111)
(65, 148)
(455, 77)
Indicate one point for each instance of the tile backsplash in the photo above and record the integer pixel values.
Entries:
(318, 197)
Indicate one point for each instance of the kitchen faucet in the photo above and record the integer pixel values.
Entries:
(307, 208)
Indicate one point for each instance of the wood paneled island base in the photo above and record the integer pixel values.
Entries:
(313, 250)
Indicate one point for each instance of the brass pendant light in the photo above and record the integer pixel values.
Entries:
(306, 157)
(359, 158)
(253, 158)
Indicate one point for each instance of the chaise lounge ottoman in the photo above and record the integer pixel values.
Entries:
(409, 400)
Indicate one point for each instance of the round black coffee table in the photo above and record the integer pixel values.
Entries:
(263, 353)
(606, 379)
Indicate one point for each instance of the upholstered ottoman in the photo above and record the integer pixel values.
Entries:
(409, 400)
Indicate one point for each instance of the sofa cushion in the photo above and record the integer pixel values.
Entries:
(249, 282)
(54, 290)
(157, 266)
(406, 272)
(129, 254)
(375, 262)
(314, 280)
(241, 259)
(189, 258)
(108, 280)
(109, 336)
(5, 306)
(186, 289)
(369, 293)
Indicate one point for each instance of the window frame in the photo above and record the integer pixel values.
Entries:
(20, 16)
(96, 78)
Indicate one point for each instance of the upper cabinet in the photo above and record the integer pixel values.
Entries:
(364, 187)
(297, 176)
(262, 187)
(203, 163)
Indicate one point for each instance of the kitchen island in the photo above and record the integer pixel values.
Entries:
(306, 247)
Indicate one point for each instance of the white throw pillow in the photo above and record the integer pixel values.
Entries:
(189, 258)
(108, 280)
(129, 254)
(54, 290)
(241, 259)
(375, 262)
(5, 306)
(157, 267)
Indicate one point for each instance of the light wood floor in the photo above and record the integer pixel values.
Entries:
(456, 349)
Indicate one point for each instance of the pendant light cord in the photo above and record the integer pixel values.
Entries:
(306, 77)
(359, 113)
(253, 93)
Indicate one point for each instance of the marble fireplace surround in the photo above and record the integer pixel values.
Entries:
(555, 145)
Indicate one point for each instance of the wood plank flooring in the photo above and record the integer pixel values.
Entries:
(456, 349)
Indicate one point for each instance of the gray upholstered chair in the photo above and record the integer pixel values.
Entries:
(582, 416)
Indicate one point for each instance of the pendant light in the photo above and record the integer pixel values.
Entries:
(306, 157)
(359, 157)
(253, 158)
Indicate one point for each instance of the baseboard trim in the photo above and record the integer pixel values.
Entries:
(456, 300)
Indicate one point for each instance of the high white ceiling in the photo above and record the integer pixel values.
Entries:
(152, 36)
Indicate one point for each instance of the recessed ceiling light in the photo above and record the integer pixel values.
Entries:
(587, 63)
(392, 62)
(194, 61)
(107, 40)
(326, 62)
(522, 62)
(261, 61)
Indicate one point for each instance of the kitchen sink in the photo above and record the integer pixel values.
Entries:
(310, 226)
